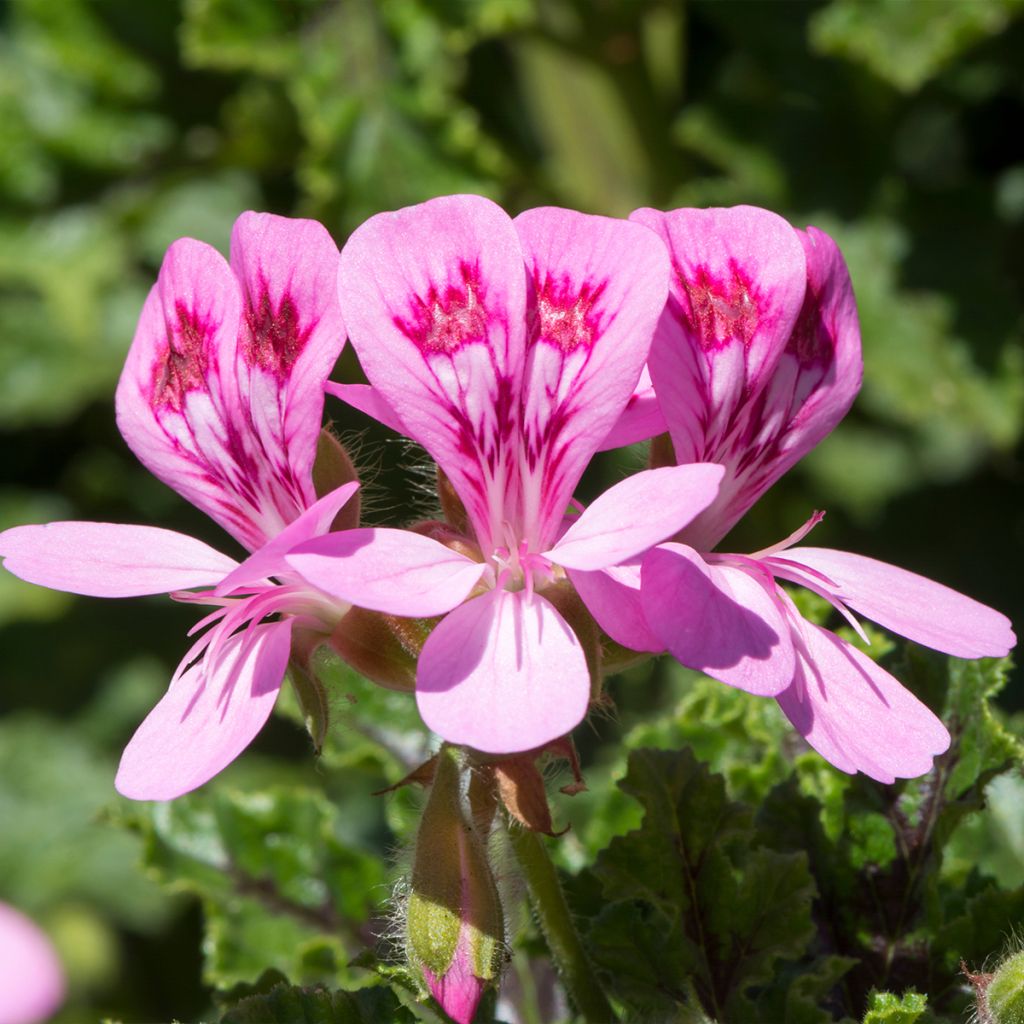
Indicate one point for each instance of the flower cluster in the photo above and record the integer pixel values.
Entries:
(512, 351)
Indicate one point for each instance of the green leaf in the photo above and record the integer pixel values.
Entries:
(694, 904)
(886, 1008)
(287, 1005)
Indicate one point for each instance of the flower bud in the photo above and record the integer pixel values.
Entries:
(384, 648)
(332, 468)
(454, 923)
(1004, 993)
(31, 977)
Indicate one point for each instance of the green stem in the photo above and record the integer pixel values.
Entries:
(556, 923)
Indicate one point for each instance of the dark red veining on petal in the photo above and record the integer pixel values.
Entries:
(182, 366)
(563, 314)
(275, 337)
(446, 319)
(721, 310)
(812, 341)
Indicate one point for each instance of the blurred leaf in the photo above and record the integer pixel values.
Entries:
(54, 786)
(279, 886)
(907, 42)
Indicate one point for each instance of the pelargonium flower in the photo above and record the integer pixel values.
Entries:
(509, 351)
(756, 359)
(32, 980)
(221, 397)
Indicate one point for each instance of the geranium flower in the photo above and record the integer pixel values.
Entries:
(509, 350)
(756, 359)
(221, 397)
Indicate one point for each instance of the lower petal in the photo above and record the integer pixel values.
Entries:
(110, 560)
(612, 596)
(503, 673)
(393, 571)
(717, 619)
(856, 715)
(207, 717)
(913, 606)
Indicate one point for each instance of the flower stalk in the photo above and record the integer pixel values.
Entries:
(563, 940)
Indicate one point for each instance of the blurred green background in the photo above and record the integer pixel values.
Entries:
(897, 126)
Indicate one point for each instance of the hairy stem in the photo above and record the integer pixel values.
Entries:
(556, 923)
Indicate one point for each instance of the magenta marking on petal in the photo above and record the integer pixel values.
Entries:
(183, 365)
(276, 337)
(721, 310)
(451, 317)
(564, 315)
(813, 341)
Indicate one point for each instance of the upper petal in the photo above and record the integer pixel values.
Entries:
(717, 619)
(110, 560)
(291, 336)
(434, 298)
(392, 571)
(221, 393)
(856, 715)
(635, 514)
(640, 420)
(367, 400)
(503, 673)
(597, 288)
(915, 607)
(613, 597)
(210, 714)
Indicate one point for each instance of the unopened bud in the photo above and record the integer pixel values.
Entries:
(384, 648)
(455, 924)
(1004, 994)
(332, 468)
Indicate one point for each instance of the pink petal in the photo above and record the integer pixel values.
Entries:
(434, 297)
(269, 560)
(394, 571)
(738, 285)
(635, 514)
(32, 981)
(856, 715)
(207, 717)
(503, 673)
(110, 560)
(717, 619)
(221, 393)
(598, 286)
(458, 990)
(613, 597)
(811, 389)
(367, 400)
(915, 607)
(641, 420)
(291, 336)
(178, 387)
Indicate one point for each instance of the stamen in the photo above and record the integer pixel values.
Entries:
(794, 538)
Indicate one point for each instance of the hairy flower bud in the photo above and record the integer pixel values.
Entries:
(454, 923)
(332, 468)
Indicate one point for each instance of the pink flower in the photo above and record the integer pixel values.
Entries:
(31, 977)
(509, 350)
(221, 397)
(756, 359)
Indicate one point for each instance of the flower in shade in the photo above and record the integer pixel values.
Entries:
(509, 350)
(756, 359)
(31, 977)
(221, 397)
